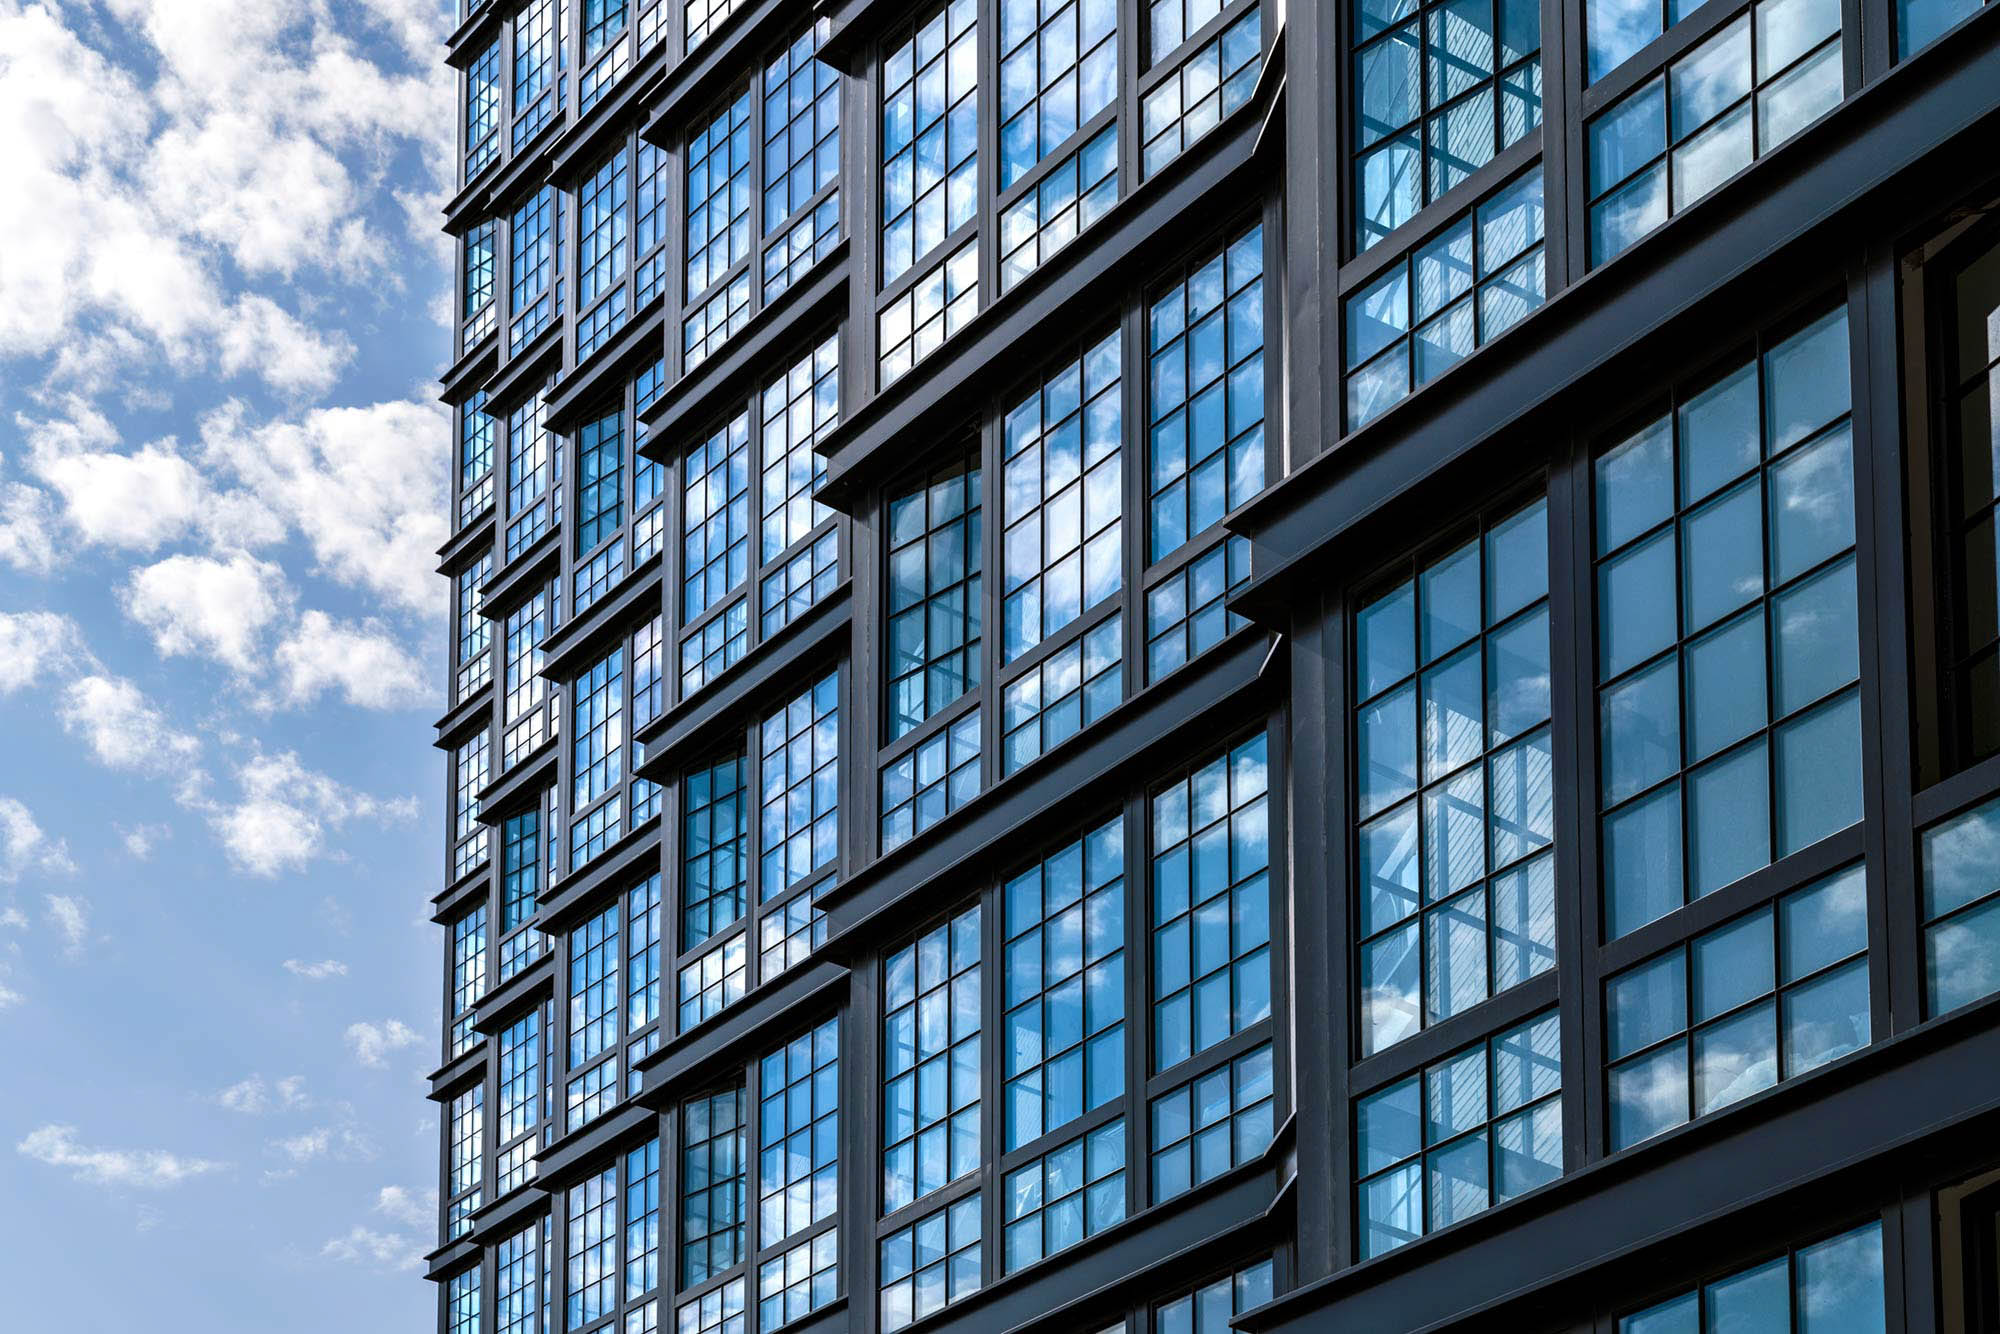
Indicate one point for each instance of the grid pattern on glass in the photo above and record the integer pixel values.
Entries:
(1205, 394)
(1211, 903)
(1831, 1284)
(603, 219)
(1073, 1191)
(1454, 780)
(593, 1248)
(1967, 504)
(713, 1163)
(648, 686)
(1207, 1310)
(1729, 725)
(595, 832)
(642, 958)
(1186, 615)
(1756, 83)
(1171, 22)
(517, 1284)
(642, 1225)
(649, 226)
(471, 840)
(465, 1119)
(534, 474)
(714, 849)
(475, 632)
(534, 235)
(789, 933)
(1961, 909)
(793, 1285)
(715, 516)
(798, 585)
(597, 718)
(600, 480)
(476, 315)
(718, 195)
(521, 839)
(933, 308)
(1439, 88)
(1063, 986)
(1215, 1122)
(808, 241)
(935, 555)
(801, 127)
(1062, 694)
(539, 58)
(462, 1302)
(525, 721)
(593, 579)
(714, 322)
(1921, 22)
(1462, 1135)
(1616, 30)
(714, 982)
(520, 1082)
(930, 1264)
(468, 976)
(1767, 997)
(800, 799)
(720, 1310)
(930, 780)
(930, 134)
(482, 111)
(930, 1061)
(1210, 84)
(798, 1172)
(1477, 280)
(475, 456)
(1058, 69)
(599, 78)
(1062, 498)
(1068, 198)
(593, 988)
(703, 17)
(716, 647)
(797, 409)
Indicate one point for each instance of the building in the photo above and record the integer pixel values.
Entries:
(1132, 666)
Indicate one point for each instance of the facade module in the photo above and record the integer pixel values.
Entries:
(1174, 665)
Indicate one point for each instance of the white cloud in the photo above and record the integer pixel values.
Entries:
(8, 996)
(35, 642)
(281, 820)
(13, 918)
(342, 1143)
(140, 840)
(25, 848)
(70, 916)
(146, 1169)
(363, 662)
(362, 1245)
(135, 501)
(399, 1204)
(123, 728)
(207, 607)
(372, 1043)
(27, 518)
(253, 1097)
(316, 972)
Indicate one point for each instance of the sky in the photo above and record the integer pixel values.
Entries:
(223, 480)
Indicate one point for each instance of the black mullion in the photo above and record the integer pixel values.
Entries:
(1136, 828)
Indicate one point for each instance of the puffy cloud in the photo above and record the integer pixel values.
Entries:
(34, 642)
(207, 607)
(140, 840)
(110, 498)
(316, 972)
(24, 847)
(365, 1246)
(363, 662)
(372, 1043)
(27, 519)
(123, 728)
(253, 1097)
(399, 1204)
(70, 916)
(145, 1169)
(281, 819)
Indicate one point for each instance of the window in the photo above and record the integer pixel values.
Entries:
(798, 585)
(1464, 1134)
(1961, 909)
(931, 309)
(1064, 693)
(1693, 127)
(476, 313)
(600, 480)
(1616, 30)
(1186, 613)
(1171, 22)
(1205, 394)
(715, 850)
(534, 477)
(471, 840)
(703, 17)
(1064, 987)
(642, 1228)
(1483, 275)
(1207, 1310)
(593, 1014)
(462, 1302)
(642, 965)
(1211, 904)
(718, 196)
(1058, 69)
(713, 1160)
(465, 1120)
(793, 1285)
(713, 982)
(799, 1131)
(930, 780)
(799, 825)
(521, 839)
(930, 1062)
(930, 134)
(602, 21)
(597, 725)
(527, 714)
(482, 111)
(468, 977)
(720, 1309)
(801, 129)
(1832, 1284)
(1075, 1190)
(930, 1264)
(593, 1248)
(1437, 94)
(603, 220)
(1192, 100)
(798, 408)
(535, 233)
(1213, 1123)
(1063, 478)
(1453, 780)
(934, 596)
(1774, 994)
(1921, 22)
(539, 59)
(475, 633)
(1729, 724)
(520, 1081)
(1050, 213)
(517, 1283)
(715, 513)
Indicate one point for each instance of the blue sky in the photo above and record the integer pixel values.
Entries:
(222, 482)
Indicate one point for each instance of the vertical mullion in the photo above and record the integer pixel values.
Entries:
(987, 449)
(1138, 1006)
(1318, 895)
(1136, 462)
(1579, 876)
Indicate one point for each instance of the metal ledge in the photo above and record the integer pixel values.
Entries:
(603, 621)
(778, 1005)
(525, 371)
(526, 777)
(460, 717)
(580, 1152)
(723, 56)
(637, 853)
(466, 542)
(471, 370)
(521, 577)
(584, 385)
